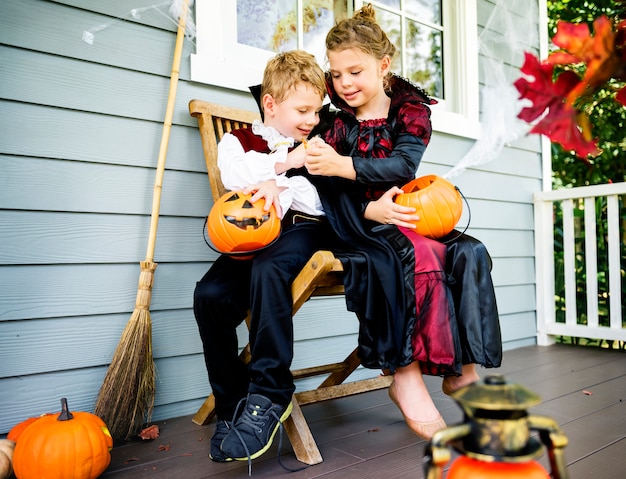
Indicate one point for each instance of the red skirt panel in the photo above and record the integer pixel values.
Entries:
(434, 338)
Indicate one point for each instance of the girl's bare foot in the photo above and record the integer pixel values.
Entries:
(452, 384)
(410, 394)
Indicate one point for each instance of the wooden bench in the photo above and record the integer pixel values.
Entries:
(321, 276)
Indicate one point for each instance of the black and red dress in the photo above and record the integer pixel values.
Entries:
(416, 298)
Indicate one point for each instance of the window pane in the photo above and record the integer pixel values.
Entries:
(424, 57)
(264, 24)
(391, 24)
(426, 10)
(273, 24)
(390, 3)
(318, 20)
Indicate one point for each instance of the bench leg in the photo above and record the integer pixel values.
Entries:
(352, 362)
(302, 441)
(206, 412)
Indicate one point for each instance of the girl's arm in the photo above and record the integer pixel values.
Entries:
(411, 134)
(398, 168)
(323, 160)
(385, 211)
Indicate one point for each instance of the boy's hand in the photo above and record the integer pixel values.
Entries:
(384, 210)
(323, 160)
(268, 190)
(295, 159)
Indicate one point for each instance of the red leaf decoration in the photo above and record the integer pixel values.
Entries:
(555, 100)
(151, 432)
(597, 52)
(621, 96)
(535, 91)
(562, 126)
(561, 121)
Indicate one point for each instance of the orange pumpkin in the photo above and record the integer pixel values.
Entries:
(235, 225)
(17, 430)
(68, 446)
(437, 202)
(469, 468)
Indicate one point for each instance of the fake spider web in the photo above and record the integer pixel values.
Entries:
(173, 8)
(501, 45)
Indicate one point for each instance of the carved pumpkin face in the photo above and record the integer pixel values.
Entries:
(437, 202)
(236, 225)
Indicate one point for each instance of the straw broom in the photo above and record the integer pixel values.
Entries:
(127, 393)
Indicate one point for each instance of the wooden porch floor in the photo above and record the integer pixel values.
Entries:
(364, 436)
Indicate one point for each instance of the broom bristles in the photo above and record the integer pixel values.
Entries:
(126, 397)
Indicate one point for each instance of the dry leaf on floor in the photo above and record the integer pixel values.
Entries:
(151, 432)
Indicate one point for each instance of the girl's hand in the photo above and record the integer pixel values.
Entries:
(323, 160)
(269, 191)
(384, 210)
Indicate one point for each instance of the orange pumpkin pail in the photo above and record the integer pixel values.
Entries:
(437, 202)
(236, 226)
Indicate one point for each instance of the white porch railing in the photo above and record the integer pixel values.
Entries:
(584, 210)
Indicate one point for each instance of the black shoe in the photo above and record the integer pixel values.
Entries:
(221, 431)
(253, 432)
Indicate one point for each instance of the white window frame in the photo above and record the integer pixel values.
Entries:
(220, 60)
(460, 114)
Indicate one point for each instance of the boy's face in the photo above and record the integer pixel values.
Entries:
(297, 114)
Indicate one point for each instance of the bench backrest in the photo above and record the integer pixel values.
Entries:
(213, 121)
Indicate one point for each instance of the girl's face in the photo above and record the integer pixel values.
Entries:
(358, 77)
(297, 114)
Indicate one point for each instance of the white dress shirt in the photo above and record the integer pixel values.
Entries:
(240, 169)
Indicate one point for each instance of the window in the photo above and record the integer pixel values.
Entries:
(438, 50)
(235, 38)
(417, 31)
(437, 42)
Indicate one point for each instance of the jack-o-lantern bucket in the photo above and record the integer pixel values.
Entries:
(237, 226)
(437, 202)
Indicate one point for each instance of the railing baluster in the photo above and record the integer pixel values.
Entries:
(591, 262)
(615, 276)
(569, 255)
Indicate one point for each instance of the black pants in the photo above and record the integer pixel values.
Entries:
(263, 285)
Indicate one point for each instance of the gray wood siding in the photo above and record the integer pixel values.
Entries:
(507, 185)
(79, 136)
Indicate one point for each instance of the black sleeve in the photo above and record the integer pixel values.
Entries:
(397, 169)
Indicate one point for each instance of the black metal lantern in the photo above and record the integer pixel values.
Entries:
(495, 438)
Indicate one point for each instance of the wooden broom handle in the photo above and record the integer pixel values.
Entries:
(165, 136)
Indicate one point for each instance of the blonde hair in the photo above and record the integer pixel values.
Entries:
(362, 32)
(284, 71)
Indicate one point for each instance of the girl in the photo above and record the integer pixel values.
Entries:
(410, 321)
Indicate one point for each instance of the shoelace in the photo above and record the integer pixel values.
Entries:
(255, 420)
(227, 424)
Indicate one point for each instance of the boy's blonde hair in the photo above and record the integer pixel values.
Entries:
(362, 32)
(284, 71)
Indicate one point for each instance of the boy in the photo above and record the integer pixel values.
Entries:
(252, 402)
